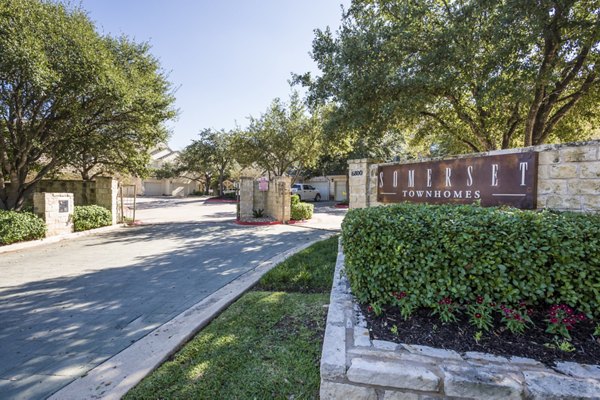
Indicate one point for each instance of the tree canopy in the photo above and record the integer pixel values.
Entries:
(71, 96)
(283, 140)
(471, 75)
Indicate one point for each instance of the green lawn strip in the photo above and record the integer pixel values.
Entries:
(308, 271)
(267, 345)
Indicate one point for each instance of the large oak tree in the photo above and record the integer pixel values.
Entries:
(472, 75)
(69, 96)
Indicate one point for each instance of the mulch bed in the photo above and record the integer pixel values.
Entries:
(220, 200)
(258, 221)
(427, 330)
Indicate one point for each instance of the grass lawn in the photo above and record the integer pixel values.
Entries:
(267, 345)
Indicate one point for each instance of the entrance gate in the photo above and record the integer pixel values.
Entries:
(126, 203)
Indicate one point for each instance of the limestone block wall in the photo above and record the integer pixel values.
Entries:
(279, 198)
(84, 192)
(275, 202)
(246, 197)
(56, 209)
(568, 176)
(106, 195)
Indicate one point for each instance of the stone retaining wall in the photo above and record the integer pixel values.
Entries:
(568, 176)
(355, 367)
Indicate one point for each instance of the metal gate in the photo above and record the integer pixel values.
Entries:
(126, 200)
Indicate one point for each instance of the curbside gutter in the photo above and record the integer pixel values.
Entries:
(116, 376)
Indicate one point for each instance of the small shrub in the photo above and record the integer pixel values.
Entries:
(258, 213)
(20, 226)
(445, 309)
(300, 211)
(562, 319)
(91, 217)
(480, 313)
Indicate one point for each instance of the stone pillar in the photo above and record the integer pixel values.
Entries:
(56, 209)
(359, 183)
(246, 197)
(106, 195)
(282, 206)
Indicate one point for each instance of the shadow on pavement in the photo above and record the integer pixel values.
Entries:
(65, 326)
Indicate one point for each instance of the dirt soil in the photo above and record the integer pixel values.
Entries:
(427, 330)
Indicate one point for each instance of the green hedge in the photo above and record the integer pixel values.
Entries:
(19, 226)
(91, 217)
(301, 211)
(462, 252)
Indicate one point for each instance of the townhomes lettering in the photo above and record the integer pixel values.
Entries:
(508, 179)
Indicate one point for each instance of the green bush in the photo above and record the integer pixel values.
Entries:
(295, 199)
(301, 211)
(461, 252)
(91, 217)
(20, 226)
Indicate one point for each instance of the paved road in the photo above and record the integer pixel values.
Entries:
(67, 307)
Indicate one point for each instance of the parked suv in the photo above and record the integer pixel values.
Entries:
(306, 192)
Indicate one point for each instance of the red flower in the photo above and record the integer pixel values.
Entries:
(553, 320)
(479, 300)
(370, 309)
(477, 315)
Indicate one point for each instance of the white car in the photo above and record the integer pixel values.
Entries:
(306, 192)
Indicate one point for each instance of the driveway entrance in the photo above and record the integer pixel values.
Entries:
(67, 307)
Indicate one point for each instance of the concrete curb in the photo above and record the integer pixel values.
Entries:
(116, 376)
(58, 238)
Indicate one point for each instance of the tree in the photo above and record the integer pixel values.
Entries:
(283, 140)
(204, 158)
(68, 94)
(118, 138)
(211, 154)
(474, 75)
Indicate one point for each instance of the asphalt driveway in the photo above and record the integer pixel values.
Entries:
(67, 307)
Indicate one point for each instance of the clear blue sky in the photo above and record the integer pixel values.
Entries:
(228, 58)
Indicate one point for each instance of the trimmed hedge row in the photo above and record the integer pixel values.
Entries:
(91, 217)
(20, 226)
(461, 252)
(300, 211)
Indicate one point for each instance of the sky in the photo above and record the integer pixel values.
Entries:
(227, 59)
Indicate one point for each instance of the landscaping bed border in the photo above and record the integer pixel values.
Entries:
(354, 366)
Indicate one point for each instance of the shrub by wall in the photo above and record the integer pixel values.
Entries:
(20, 226)
(300, 211)
(91, 217)
(461, 252)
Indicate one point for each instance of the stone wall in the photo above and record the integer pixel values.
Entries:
(56, 209)
(275, 202)
(102, 191)
(568, 176)
(84, 192)
(355, 367)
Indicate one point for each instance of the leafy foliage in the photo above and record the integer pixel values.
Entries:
(91, 217)
(258, 213)
(462, 76)
(461, 252)
(283, 140)
(300, 211)
(209, 156)
(69, 96)
(20, 226)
